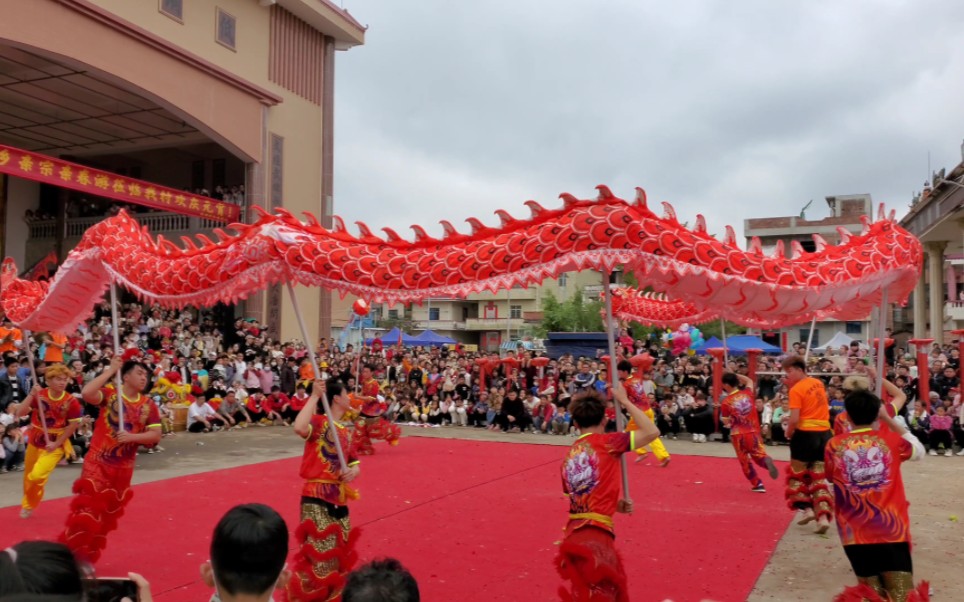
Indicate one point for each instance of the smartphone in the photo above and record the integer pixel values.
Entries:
(110, 589)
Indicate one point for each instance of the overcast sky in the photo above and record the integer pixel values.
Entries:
(733, 109)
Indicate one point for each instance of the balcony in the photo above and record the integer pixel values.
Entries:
(478, 324)
(171, 225)
(437, 325)
(955, 311)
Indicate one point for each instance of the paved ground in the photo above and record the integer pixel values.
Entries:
(805, 567)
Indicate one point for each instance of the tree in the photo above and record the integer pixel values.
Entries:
(573, 315)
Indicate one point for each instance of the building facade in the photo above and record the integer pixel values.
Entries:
(485, 319)
(218, 97)
(936, 217)
(845, 212)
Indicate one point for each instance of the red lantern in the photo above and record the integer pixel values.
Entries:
(360, 307)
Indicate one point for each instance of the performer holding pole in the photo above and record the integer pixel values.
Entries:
(103, 489)
(587, 557)
(56, 413)
(315, 368)
(326, 542)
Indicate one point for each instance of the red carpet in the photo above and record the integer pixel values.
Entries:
(471, 520)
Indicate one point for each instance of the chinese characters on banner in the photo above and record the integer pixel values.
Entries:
(48, 170)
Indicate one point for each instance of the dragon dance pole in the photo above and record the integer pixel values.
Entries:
(880, 343)
(726, 357)
(33, 375)
(315, 370)
(117, 351)
(806, 355)
(614, 379)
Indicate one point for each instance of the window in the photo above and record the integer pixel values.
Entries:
(172, 8)
(226, 29)
(563, 278)
(433, 313)
(855, 328)
(393, 314)
(805, 334)
(515, 311)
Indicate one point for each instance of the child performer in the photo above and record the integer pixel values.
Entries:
(103, 489)
(591, 478)
(326, 542)
(62, 413)
(371, 422)
(739, 415)
(870, 507)
(640, 398)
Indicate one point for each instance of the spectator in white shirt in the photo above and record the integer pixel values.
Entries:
(201, 417)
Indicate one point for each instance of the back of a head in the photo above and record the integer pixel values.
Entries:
(730, 379)
(588, 409)
(862, 407)
(39, 570)
(334, 387)
(248, 549)
(383, 580)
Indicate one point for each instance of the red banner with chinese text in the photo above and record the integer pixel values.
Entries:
(48, 170)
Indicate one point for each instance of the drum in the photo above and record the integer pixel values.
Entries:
(180, 418)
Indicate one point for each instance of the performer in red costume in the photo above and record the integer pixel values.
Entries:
(45, 449)
(371, 423)
(590, 477)
(870, 506)
(103, 489)
(739, 415)
(892, 397)
(326, 542)
(637, 392)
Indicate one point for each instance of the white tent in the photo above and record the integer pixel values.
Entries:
(839, 340)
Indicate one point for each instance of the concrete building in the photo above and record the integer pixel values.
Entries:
(936, 217)
(845, 212)
(187, 95)
(485, 319)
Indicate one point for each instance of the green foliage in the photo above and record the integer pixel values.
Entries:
(573, 315)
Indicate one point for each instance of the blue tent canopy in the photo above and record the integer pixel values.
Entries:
(430, 337)
(390, 339)
(738, 344)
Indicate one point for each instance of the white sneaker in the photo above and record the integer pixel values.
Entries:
(696, 438)
(702, 438)
(947, 452)
(25, 513)
(960, 453)
(932, 452)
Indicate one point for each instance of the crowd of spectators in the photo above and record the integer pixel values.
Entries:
(242, 377)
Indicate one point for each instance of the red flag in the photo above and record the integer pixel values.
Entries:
(399, 338)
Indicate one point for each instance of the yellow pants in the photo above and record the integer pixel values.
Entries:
(37, 466)
(657, 447)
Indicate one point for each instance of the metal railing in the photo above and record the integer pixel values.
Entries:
(156, 222)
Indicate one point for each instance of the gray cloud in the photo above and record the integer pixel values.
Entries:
(730, 109)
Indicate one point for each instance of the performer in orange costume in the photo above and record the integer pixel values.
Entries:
(370, 423)
(807, 490)
(326, 542)
(103, 489)
(62, 413)
(739, 415)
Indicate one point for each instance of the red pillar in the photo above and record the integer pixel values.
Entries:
(718, 367)
(923, 370)
(752, 359)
